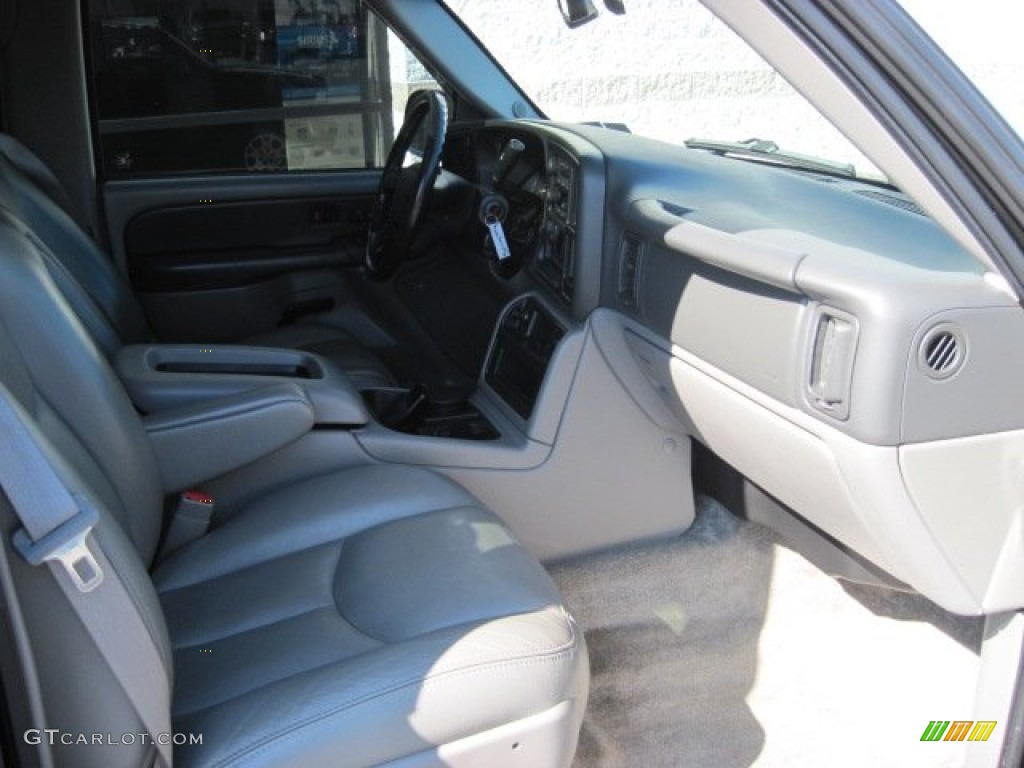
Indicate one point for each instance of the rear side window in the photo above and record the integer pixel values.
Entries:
(199, 86)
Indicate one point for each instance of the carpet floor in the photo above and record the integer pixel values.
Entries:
(723, 648)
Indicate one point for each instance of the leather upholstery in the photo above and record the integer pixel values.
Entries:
(361, 366)
(102, 297)
(63, 381)
(34, 169)
(358, 594)
(350, 619)
(198, 442)
(143, 368)
(53, 369)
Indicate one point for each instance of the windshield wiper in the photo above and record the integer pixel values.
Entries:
(769, 152)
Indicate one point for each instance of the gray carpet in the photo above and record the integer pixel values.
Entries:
(725, 649)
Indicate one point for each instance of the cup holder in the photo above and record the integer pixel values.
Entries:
(412, 412)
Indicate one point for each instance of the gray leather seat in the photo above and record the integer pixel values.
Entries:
(373, 616)
(105, 301)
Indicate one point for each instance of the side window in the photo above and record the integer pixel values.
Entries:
(201, 86)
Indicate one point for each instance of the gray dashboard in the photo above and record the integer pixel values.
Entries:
(825, 293)
(820, 334)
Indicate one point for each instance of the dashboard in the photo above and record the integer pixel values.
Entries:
(550, 204)
(820, 334)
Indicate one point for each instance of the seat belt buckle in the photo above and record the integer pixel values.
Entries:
(191, 520)
(196, 503)
(67, 544)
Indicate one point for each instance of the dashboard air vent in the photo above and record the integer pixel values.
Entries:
(629, 271)
(942, 351)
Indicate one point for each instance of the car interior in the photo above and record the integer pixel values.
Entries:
(508, 442)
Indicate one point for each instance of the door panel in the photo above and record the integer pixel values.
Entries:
(239, 144)
(226, 245)
(220, 258)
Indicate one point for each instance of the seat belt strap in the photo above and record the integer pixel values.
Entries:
(57, 530)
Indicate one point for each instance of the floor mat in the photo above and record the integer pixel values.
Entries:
(725, 649)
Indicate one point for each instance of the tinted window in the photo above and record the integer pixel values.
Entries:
(231, 85)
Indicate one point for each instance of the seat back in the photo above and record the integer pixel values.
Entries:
(30, 191)
(54, 370)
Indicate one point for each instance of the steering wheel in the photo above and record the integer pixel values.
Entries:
(404, 188)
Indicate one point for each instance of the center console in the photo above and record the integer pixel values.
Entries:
(555, 262)
(521, 350)
(523, 345)
(413, 412)
(159, 377)
(511, 419)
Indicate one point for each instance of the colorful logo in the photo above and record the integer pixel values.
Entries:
(958, 730)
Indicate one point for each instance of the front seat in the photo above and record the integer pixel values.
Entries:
(106, 302)
(374, 616)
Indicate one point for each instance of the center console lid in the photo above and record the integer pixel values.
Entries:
(163, 376)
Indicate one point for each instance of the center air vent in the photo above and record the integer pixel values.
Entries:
(942, 351)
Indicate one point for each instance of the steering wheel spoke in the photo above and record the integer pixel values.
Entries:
(404, 188)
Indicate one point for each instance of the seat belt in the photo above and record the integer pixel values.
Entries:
(56, 528)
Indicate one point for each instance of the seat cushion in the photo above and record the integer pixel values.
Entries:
(358, 618)
(364, 368)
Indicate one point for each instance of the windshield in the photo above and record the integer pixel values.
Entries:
(672, 71)
(669, 71)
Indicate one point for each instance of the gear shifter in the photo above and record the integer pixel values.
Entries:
(396, 408)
